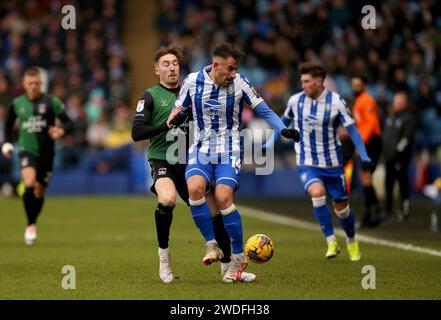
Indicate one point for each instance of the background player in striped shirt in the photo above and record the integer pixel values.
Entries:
(317, 113)
(216, 96)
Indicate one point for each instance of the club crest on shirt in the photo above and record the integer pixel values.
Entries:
(140, 106)
(213, 108)
(42, 108)
(162, 171)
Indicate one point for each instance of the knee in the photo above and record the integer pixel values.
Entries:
(342, 213)
(317, 193)
(196, 191)
(39, 191)
(29, 182)
(224, 200)
(167, 200)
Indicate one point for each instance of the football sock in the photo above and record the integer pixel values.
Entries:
(163, 252)
(30, 205)
(233, 225)
(323, 215)
(347, 221)
(202, 217)
(331, 238)
(38, 206)
(370, 198)
(163, 219)
(222, 238)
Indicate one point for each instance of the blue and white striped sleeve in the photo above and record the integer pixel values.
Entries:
(288, 115)
(184, 97)
(249, 94)
(343, 112)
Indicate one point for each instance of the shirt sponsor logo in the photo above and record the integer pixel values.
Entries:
(140, 106)
(163, 103)
(35, 124)
(162, 171)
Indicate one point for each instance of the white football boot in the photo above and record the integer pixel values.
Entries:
(235, 270)
(244, 277)
(213, 254)
(30, 235)
(165, 267)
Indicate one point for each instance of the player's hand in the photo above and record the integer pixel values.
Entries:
(291, 134)
(367, 165)
(171, 116)
(176, 118)
(7, 149)
(56, 133)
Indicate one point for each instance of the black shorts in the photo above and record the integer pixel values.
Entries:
(176, 172)
(43, 165)
(373, 149)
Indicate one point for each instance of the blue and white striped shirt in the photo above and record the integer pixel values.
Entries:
(317, 122)
(217, 111)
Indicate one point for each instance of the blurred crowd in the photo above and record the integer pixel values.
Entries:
(402, 53)
(86, 68)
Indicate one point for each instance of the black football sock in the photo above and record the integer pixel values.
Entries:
(222, 238)
(163, 218)
(30, 205)
(39, 202)
(368, 197)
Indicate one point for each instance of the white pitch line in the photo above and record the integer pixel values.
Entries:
(276, 218)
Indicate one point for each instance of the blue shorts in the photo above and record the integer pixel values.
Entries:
(333, 179)
(225, 170)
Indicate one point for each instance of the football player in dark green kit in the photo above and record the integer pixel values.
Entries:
(150, 122)
(36, 113)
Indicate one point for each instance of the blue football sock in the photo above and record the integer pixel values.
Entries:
(324, 219)
(202, 217)
(348, 224)
(233, 225)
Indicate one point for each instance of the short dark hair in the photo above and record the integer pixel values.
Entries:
(32, 71)
(226, 50)
(314, 70)
(162, 51)
(361, 77)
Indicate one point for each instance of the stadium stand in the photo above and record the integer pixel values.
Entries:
(88, 67)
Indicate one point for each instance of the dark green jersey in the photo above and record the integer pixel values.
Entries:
(34, 119)
(149, 122)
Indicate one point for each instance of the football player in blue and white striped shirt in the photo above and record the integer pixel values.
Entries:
(316, 113)
(216, 96)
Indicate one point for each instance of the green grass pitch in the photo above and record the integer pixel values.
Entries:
(111, 242)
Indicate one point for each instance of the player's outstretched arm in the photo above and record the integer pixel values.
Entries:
(276, 135)
(264, 112)
(7, 147)
(359, 144)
